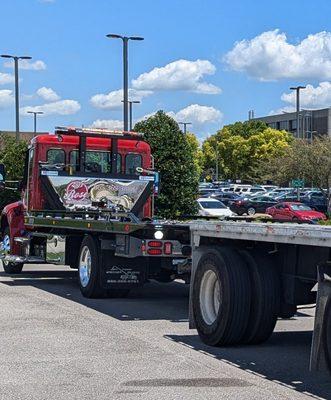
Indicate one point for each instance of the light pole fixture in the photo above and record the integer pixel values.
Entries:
(185, 125)
(125, 40)
(16, 58)
(297, 89)
(35, 113)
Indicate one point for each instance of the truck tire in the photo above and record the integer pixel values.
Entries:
(89, 270)
(265, 298)
(9, 267)
(221, 297)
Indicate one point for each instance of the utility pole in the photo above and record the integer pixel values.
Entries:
(185, 125)
(17, 106)
(35, 113)
(125, 40)
(297, 89)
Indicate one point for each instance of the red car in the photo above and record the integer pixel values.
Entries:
(294, 211)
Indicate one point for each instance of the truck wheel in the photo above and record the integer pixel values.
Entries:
(9, 267)
(221, 297)
(89, 269)
(265, 298)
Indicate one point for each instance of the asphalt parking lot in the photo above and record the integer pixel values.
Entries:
(55, 344)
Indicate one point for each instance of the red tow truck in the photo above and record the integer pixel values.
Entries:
(87, 202)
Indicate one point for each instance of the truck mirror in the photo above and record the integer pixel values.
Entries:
(2, 173)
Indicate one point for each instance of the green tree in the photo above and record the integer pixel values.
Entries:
(240, 148)
(174, 160)
(310, 162)
(12, 155)
(196, 150)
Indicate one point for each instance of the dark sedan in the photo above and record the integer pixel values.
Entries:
(226, 198)
(256, 204)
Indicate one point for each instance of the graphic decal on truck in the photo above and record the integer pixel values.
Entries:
(78, 192)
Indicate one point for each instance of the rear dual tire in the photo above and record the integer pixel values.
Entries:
(89, 272)
(235, 297)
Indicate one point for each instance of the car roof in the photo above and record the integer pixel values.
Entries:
(208, 199)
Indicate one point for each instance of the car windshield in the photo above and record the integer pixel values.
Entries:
(211, 204)
(300, 207)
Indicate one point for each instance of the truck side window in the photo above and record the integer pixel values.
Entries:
(132, 161)
(56, 156)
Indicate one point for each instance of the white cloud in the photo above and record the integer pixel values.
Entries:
(113, 124)
(48, 94)
(6, 98)
(198, 115)
(6, 78)
(27, 64)
(113, 100)
(269, 56)
(195, 114)
(311, 97)
(61, 107)
(179, 75)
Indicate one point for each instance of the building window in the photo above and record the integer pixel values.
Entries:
(293, 124)
(283, 125)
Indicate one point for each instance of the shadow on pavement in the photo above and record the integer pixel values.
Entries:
(284, 359)
(141, 304)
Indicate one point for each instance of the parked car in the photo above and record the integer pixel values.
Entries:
(294, 211)
(226, 198)
(317, 200)
(213, 208)
(252, 205)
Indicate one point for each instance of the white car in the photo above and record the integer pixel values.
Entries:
(213, 208)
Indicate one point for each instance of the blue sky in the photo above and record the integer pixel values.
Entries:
(188, 65)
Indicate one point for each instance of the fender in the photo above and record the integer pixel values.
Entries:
(13, 216)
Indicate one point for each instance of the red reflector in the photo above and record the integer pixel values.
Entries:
(154, 252)
(167, 248)
(154, 243)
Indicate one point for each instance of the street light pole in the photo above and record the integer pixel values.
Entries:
(17, 118)
(130, 106)
(185, 125)
(125, 40)
(35, 113)
(297, 89)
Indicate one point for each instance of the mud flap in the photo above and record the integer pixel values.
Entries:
(121, 272)
(319, 356)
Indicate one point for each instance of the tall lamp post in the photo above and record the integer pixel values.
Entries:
(297, 89)
(35, 113)
(16, 58)
(125, 40)
(185, 125)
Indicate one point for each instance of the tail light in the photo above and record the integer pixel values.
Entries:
(154, 243)
(154, 252)
(167, 248)
(238, 202)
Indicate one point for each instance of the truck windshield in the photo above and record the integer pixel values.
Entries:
(95, 161)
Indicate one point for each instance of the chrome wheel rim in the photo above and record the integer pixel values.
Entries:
(6, 247)
(251, 211)
(84, 266)
(210, 297)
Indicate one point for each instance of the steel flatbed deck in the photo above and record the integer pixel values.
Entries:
(289, 233)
